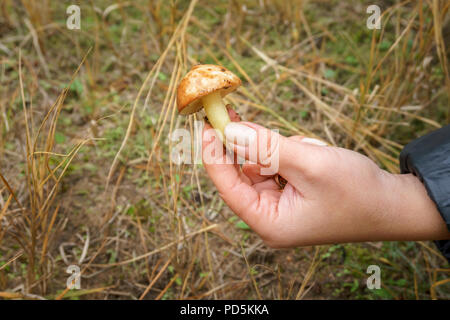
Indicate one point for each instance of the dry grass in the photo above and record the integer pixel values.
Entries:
(85, 118)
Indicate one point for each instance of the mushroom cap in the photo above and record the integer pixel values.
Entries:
(202, 80)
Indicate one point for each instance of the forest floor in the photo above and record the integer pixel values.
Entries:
(85, 123)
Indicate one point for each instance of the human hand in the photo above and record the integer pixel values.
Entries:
(332, 195)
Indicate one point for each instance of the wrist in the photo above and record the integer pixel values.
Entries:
(409, 213)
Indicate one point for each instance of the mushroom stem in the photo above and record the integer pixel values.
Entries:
(216, 112)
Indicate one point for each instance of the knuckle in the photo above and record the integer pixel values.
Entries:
(318, 165)
(316, 169)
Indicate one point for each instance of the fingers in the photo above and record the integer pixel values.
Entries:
(274, 153)
(253, 172)
(214, 153)
(254, 143)
(240, 196)
(262, 146)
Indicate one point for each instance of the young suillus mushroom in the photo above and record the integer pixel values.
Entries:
(204, 86)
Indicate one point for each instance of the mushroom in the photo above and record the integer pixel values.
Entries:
(204, 86)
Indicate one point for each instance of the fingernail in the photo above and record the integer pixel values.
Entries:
(239, 134)
(314, 141)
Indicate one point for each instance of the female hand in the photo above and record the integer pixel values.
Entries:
(332, 195)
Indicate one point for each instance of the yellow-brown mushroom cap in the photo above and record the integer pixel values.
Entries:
(202, 80)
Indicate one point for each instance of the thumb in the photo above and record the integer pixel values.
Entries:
(273, 152)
